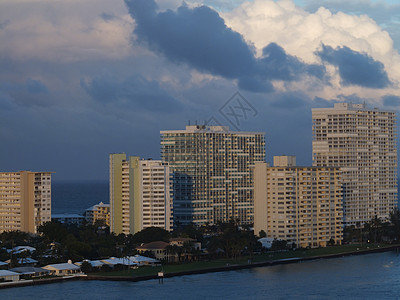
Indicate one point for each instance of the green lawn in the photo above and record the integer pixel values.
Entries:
(268, 256)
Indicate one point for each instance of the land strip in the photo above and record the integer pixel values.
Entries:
(219, 265)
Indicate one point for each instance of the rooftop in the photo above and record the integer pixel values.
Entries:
(153, 245)
(62, 266)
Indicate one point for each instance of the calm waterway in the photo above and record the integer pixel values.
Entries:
(371, 276)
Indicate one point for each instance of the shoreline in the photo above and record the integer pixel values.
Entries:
(244, 266)
(30, 282)
(23, 283)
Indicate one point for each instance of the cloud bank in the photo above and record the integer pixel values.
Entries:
(79, 80)
(199, 37)
(356, 39)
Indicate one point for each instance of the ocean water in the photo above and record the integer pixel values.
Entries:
(76, 197)
(371, 276)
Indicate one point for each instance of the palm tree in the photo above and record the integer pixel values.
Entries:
(376, 224)
(395, 223)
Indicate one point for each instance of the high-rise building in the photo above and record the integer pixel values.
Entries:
(25, 200)
(140, 194)
(217, 167)
(362, 142)
(301, 205)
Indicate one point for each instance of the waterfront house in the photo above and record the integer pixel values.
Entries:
(143, 261)
(113, 261)
(93, 263)
(6, 275)
(30, 272)
(63, 269)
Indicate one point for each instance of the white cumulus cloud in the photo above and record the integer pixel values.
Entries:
(302, 33)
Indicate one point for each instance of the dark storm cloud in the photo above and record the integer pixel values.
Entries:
(199, 37)
(290, 100)
(4, 24)
(133, 92)
(32, 92)
(6, 102)
(391, 100)
(319, 102)
(107, 17)
(355, 68)
(254, 84)
(276, 64)
(35, 86)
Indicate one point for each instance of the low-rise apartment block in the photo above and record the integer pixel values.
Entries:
(98, 212)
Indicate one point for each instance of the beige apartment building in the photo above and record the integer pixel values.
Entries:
(25, 200)
(302, 205)
(362, 142)
(140, 194)
(216, 167)
(98, 212)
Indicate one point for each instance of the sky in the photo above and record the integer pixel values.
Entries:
(82, 79)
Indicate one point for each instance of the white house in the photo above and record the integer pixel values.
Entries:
(6, 275)
(63, 269)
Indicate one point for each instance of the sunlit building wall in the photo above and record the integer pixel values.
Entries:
(98, 212)
(140, 194)
(218, 164)
(362, 142)
(25, 200)
(301, 205)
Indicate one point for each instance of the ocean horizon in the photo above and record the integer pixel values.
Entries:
(74, 197)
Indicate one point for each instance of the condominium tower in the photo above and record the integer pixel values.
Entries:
(25, 200)
(216, 165)
(362, 142)
(301, 205)
(139, 194)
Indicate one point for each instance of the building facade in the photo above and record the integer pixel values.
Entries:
(98, 212)
(25, 200)
(217, 166)
(140, 195)
(302, 205)
(68, 219)
(362, 142)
